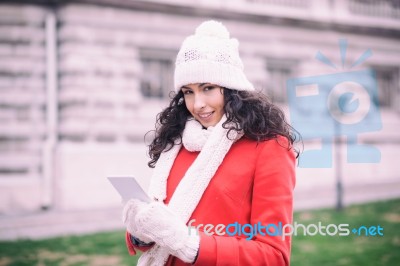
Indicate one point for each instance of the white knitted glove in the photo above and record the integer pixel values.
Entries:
(158, 223)
(131, 208)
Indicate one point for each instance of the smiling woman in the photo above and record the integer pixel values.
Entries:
(222, 153)
(205, 102)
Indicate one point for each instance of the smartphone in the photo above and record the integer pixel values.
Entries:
(129, 188)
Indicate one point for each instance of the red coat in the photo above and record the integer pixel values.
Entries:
(253, 184)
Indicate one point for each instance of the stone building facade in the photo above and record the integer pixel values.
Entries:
(82, 81)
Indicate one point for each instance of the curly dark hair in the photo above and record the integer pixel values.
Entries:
(251, 112)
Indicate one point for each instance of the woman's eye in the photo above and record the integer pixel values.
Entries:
(187, 92)
(208, 88)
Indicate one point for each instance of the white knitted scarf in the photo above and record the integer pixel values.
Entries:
(213, 145)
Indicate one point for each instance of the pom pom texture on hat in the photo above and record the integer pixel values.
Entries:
(210, 56)
(212, 29)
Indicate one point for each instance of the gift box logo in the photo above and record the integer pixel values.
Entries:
(341, 105)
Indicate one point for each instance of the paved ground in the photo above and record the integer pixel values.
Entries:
(47, 224)
(50, 223)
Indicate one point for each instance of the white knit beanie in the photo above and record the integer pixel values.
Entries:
(209, 56)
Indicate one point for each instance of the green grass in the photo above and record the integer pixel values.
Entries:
(109, 248)
(97, 249)
(352, 249)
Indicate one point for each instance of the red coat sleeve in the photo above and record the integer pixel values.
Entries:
(272, 203)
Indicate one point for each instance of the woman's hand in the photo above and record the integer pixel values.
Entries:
(130, 211)
(156, 222)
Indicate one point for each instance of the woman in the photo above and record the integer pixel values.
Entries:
(223, 158)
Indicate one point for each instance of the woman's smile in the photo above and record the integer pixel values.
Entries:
(205, 102)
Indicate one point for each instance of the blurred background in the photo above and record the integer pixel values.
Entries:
(81, 83)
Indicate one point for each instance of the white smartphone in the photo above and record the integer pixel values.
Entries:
(129, 188)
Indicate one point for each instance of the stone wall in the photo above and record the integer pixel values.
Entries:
(105, 56)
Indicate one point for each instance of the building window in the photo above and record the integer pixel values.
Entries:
(381, 8)
(285, 3)
(157, 73)
(388, 86)
(279, 71)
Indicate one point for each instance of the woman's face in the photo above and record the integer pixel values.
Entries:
(205, 102)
